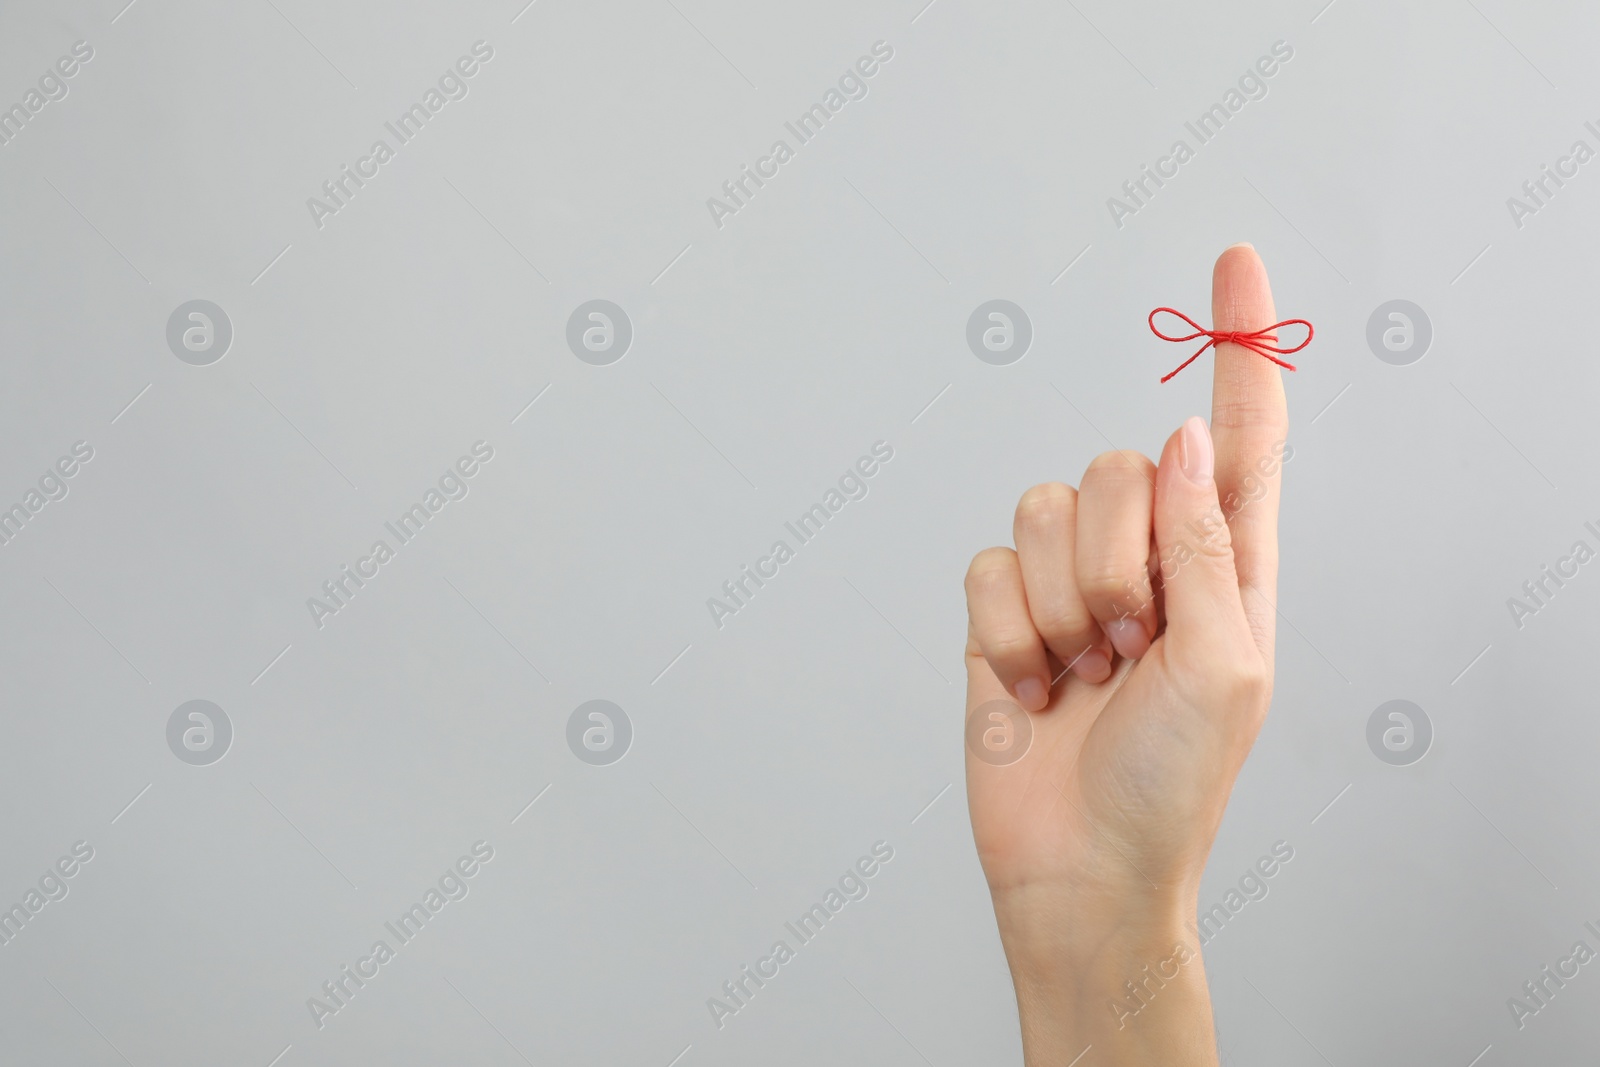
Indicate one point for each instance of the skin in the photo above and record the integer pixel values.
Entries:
(1093, 843)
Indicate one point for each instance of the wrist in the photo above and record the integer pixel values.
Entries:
(1048, 929)
(1123, 975)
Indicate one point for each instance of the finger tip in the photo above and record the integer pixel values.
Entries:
(1172, 452)
(1093, 666)
(1033, 694)
(1128, 637)
(1239, 260)
(1241, 294)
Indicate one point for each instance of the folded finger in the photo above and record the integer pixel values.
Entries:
(997, 606)
(1115, 504)
(1045, 532)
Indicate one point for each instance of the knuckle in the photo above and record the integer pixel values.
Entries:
(1237, 681)
(1254, 410)
(1244, 682)
(1057, 622)
(1120, 465)
(1214, 540)
(989, 569)
(1009, 645)
(1107, 580)
(1046, 506)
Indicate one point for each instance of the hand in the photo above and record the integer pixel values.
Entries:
(1134, 625)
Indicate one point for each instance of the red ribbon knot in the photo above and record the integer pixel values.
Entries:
(1255, 340)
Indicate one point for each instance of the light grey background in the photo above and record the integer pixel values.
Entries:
(830, 313)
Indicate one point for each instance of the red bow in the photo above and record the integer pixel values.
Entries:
(1254, 340)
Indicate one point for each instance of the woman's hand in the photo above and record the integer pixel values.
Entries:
(1134, 625)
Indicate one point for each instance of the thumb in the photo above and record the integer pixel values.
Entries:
(1205, 618)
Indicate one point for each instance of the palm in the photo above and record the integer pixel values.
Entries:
(1108, 787)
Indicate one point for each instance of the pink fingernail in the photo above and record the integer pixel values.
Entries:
(1033, 694)
(1128, 638)
(1194, 451)
(1093, 666)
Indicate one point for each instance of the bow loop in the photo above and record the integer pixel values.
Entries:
(1255, 340)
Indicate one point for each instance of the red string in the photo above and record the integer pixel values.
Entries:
(1254, 340)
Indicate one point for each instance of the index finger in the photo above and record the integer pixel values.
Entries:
(1249, 423)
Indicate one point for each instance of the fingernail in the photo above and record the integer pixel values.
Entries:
(1093, 666)
(1033, 694)
(1194, 451)
(1128, 638)
(1242, 244)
